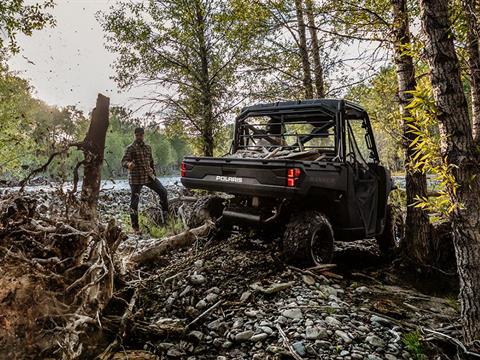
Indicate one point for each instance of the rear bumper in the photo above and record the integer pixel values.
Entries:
(253, 189)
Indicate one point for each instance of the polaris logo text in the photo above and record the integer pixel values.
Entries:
(229, 179)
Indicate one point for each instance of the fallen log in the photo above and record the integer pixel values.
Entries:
(181, 240)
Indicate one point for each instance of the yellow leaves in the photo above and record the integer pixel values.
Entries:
(427, 156)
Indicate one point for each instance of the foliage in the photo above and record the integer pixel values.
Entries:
(17, 16)
(378, 97)
(31, 130)
(15, 123)
(190, 53)
(427, 156)
(413, 343)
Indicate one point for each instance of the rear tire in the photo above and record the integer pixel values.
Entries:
(392, 234)
(308, 240)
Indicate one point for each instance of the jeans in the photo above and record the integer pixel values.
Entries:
(156, 186)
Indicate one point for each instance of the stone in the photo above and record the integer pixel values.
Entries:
(266, 329)
(380, 320)
(211, 298)
(330, 320)
(373, 357)
(275, 349)
(202, 304)
(198, 264)
(375, 341)
(294, 314)
(185, 291)
(197, 279)
(245, 296)
(344, 336)
(175, 353)
(390, 357)
(196, 334)
(244, 335)
(344, 353)
(315, 332)
(227, 344)
(215, 324)
(299, 348)
(362, 290)
(308, 279)
(259, 337)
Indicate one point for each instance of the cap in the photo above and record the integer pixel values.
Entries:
(139, 130)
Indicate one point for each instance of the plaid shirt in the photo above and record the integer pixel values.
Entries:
(143, 170)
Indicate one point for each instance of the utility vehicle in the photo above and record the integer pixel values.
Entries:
(308, 170)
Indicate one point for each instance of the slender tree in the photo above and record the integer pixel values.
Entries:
(303, 50)
(459, 150)
(470, 8)
(417, 222)
(315, 49)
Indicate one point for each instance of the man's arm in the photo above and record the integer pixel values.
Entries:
(127, 158)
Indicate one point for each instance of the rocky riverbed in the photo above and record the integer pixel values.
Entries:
(234, 298)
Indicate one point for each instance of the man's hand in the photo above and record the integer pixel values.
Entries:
(130, 165)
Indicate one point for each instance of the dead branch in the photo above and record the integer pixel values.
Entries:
(181, 240)
(287, 344)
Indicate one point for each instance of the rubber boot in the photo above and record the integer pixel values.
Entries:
(134, 221)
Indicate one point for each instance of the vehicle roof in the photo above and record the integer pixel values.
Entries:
(321, 107)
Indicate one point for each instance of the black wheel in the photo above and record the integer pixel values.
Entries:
(392, 234)
(206, 208)
(308, 239)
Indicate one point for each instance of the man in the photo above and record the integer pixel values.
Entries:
(141, 171)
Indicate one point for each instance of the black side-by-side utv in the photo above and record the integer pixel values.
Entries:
(309, 169)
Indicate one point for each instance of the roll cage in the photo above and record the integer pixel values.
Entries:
(329, 124)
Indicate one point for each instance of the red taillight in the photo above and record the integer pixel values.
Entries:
(183, 169)
(292, 176)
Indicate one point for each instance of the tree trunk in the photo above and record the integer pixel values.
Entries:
(469, 9)
(302, 47)
(458, 148)
(93, 147)
(205, 84)
(417, 234)
(318, 70)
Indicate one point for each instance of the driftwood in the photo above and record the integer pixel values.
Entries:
(181, 240)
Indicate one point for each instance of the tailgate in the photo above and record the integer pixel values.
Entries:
(256, 177)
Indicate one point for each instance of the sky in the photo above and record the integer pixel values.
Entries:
(68, 64)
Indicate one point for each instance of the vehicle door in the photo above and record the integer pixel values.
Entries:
(361, 157)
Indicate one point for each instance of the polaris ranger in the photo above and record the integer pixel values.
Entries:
(309, 169)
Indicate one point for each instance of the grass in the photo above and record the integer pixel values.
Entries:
(172, 227)
(413, 343)
(453, 303)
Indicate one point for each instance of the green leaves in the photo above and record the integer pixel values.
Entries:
(18, 17)
(189, 53)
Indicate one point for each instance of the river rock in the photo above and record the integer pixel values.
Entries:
(244, 335)
(293, 314)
